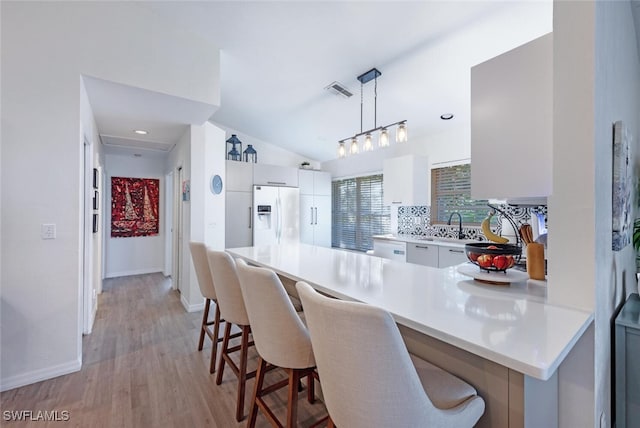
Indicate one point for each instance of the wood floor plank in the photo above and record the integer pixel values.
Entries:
(141, 368)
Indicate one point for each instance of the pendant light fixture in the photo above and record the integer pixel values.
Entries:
(349, 146)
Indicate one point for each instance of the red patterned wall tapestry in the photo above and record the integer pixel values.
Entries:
(134, 206)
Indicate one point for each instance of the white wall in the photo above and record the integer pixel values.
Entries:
(596, 82)
(180, 157)
(448, 146)
(46, 47)
(138, 254)
(617, 97)
(201, 153)
(89, 132)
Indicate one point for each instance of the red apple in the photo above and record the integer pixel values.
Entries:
(484, 260)
(511, 261)
(492, 247)
(473, 256)
(500, 262)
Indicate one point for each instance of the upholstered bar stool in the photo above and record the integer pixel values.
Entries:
(281, 339)
(232, 309)
(201, 265)
(368, 377)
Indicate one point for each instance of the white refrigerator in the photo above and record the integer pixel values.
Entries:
(276, 215)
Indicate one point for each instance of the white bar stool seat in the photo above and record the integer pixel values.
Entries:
(369, 378)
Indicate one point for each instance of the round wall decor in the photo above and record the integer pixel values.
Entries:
(216, 184)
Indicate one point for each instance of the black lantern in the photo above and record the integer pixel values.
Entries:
(234, 154)
(250, 154)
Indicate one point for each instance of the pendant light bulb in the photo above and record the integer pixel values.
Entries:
(384, 138)
(401, 133)
(354, 146)
(342, 152)
(368, 144)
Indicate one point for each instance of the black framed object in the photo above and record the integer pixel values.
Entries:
(95, 178)
(95, 223)
(96, 204)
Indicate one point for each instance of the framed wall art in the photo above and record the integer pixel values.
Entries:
(135, 206)
(622, 187)
(96, 177)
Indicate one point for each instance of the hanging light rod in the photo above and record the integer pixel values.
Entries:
(383, 138)
(374, 130)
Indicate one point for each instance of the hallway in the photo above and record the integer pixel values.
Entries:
(141, 368)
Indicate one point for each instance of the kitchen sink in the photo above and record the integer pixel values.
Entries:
(443, 239)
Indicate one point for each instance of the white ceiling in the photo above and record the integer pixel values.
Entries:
(277, 57)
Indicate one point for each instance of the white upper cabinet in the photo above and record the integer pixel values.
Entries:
(407, 181)
(314, 182)
(239, 176)
(274, 175)
(511, 123)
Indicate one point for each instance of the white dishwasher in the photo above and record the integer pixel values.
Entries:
(388, 249)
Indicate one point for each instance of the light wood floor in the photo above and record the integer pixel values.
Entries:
(141, 368)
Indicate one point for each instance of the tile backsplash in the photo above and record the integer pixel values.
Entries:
(416, 220)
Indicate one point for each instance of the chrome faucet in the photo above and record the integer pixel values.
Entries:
(460, 233)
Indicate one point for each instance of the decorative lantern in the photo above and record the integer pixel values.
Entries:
(234, 154)
(250, 154)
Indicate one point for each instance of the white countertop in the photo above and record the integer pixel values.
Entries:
(511, 325)
(414, 239)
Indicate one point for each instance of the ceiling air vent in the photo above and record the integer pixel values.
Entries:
(339, 89)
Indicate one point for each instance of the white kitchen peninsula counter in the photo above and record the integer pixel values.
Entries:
(506, 341)
(512, 326)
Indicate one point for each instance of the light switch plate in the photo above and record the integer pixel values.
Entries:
(48, 231)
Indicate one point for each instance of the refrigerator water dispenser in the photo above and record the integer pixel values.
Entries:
(264, 217)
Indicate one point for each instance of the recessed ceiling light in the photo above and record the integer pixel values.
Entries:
(140, 131)
(446, 116)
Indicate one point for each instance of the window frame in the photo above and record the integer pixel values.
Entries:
(477, 206)
(378, 215)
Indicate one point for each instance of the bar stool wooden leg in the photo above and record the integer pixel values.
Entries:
(311, 392)
(203, 327)
(215, 340)
(292, 408)
(331, 424)
(242, 372)
(224, 350)
(262, 364)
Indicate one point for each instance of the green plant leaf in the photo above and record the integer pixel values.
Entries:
(636, 234)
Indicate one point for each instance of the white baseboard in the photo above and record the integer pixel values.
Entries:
(132, 272)
(38, 375)
(191, 308)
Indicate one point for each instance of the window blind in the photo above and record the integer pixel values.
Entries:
(358, 212)
(451, 191)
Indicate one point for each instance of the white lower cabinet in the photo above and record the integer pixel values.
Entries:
(450, 256)
(435, 255)
(315, 220)
(423, 254)
(238, 227)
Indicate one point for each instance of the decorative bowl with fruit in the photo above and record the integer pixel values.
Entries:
(493, 257)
